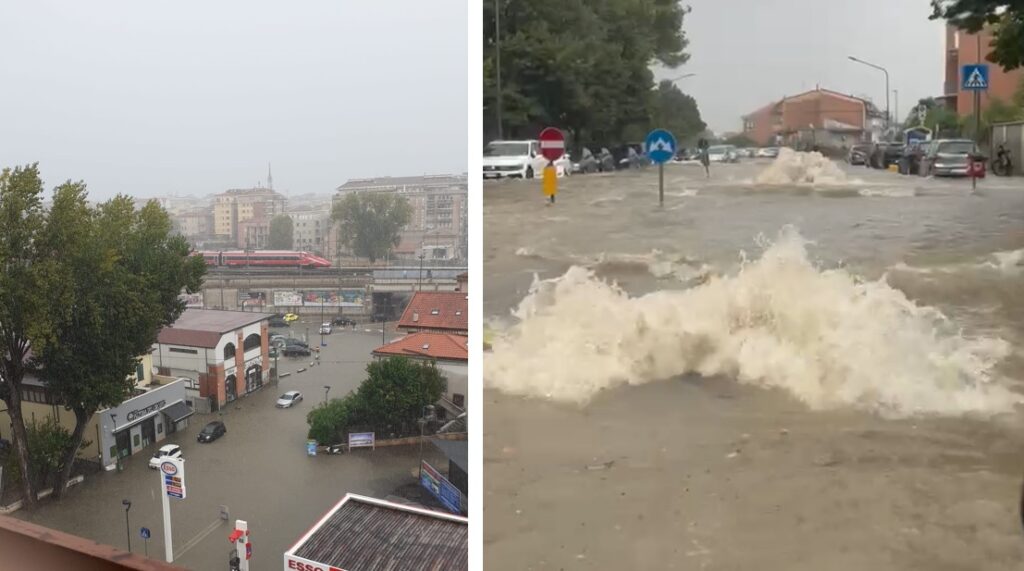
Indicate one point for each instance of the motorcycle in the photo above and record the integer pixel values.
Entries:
(1002, 166)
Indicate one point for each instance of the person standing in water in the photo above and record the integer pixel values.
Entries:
(702, 149)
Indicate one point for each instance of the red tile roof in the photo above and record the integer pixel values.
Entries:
(441, 346)
(437, 310)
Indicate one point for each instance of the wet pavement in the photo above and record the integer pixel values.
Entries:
(801, 376)
(259, 470)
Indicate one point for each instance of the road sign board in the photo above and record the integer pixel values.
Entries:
(660, 145)
(144, 532)
(974, 77)
(552, 144)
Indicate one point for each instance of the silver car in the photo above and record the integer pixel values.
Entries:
(289, 399)
(948, 157)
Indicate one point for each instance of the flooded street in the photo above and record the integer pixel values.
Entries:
(259, 470)
(763, 373)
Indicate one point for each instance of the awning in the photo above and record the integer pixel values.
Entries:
(177, 411)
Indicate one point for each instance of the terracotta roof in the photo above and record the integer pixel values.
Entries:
(443, 346)
(445, 310)
(188, 337)
(367, 533)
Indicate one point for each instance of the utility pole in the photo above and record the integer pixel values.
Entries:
(497, 61)
(977, 96)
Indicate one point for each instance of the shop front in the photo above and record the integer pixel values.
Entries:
(139, 422)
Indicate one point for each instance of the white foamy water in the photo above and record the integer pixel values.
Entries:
(794, 167)
(828, 338)
(1009, 262)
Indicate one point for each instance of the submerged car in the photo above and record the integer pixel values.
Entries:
(513, 159)
(326, 329)
(722, 154)
(293, 350)
(858, 154)
(166, 451)
(212, 431)
(288, 399)
(948, 157)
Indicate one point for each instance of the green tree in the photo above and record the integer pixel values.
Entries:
(281, 233)
(121, 272)
(1005, 17)
(676, 111)
(393, 395)
(371, 223)
(28, 309)
(583, 65)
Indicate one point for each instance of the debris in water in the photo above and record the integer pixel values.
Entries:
(601, 466)
(733, 454)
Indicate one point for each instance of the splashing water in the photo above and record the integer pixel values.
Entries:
(794, 167)
(826, 337)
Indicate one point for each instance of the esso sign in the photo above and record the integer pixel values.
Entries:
(303, 566)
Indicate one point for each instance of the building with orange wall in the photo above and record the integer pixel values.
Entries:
(962, 48)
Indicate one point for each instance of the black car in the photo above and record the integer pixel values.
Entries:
(292, 350)
(884, 154)
(278, 322)
(343, 322)
(858, 154)
(212, 431)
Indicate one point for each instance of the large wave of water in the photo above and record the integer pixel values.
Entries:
(827, 337)
(796, 167)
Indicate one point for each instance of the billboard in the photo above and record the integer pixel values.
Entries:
(252, 299)
(287, 298)
(441, 488)
(192, 300)
(334, 298)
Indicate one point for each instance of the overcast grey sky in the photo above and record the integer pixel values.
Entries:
(191, 97)
(747, 53)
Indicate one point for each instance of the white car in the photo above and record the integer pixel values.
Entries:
(513, 159)
(722, 154)
(166, 451)
(288, 399)
(326, 328)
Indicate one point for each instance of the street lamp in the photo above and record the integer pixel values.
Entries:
(497, 61)
(327, 389)
(684, 76)
(428, 415)
(896, 97)
(322, 342)
(888, 118)
(127, 528)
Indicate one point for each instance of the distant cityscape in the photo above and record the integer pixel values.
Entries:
(240, 218)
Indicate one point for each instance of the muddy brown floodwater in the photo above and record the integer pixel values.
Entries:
(818, 375)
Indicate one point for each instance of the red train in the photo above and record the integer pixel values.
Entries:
(264, 259)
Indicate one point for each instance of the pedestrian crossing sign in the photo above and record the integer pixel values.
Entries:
(974, 77)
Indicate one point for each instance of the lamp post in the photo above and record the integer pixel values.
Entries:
(896, 106)
(127, 528)
(322, 342)
(428, 415)
(888, 118)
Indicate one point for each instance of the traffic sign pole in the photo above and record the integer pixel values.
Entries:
(168, 551)
(661, 147)
(552, 147)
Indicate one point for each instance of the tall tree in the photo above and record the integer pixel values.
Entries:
(677, 112)
(27, 304)
(281, 233)
(583, 65)
(371, 223)
(1006, 18)
(121, 272)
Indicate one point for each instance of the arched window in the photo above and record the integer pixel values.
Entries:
(229, 351)
(252, 341)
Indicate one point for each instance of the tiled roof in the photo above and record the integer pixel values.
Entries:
(367, 533)
(445, 310)
(443, 346)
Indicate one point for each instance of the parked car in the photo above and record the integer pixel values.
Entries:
(343, 322)
(605, 160)
(325, 328)
(278, 322)
(513, 159)
(768, 152)
(627, 157)
(722, 154)
(166, 451)
(212, 431)
(288, 399)
(884, 154)
(588, 163)
(858, 154)
(289, 317)
(563, 166)
(948, 157)
(296, 351)
(290, 341)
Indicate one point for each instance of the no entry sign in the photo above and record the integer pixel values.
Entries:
(552, 144)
